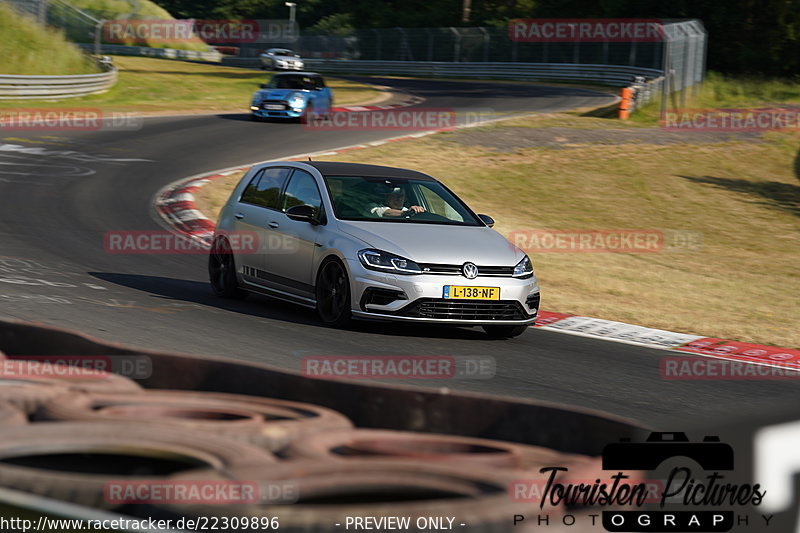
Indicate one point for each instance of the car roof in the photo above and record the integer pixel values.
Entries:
(330, 168)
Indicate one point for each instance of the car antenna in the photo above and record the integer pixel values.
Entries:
(309, 158)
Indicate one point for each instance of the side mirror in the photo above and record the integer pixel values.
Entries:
(486, 219)
(264, 85)
(302, 213)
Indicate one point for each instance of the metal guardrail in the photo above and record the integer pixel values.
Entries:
(614, 75)
(166, 53)
(56, 87)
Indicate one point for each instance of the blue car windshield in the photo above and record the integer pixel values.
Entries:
(407, 200)
(292, 82)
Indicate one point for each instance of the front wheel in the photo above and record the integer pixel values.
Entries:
(333, 295)
(504, 332)
(222, 271)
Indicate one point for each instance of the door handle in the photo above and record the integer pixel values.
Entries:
(273, 225)
(238, 216)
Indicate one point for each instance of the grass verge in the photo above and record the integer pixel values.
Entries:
(29, 49)
(151, 86)
(740, 194)
(723, 92)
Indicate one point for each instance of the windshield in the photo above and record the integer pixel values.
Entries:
(297, 82)
(404, 200)
(283, 52)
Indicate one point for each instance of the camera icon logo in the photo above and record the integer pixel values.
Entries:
(710, 454)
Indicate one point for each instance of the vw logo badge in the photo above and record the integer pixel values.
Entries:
(470, 270)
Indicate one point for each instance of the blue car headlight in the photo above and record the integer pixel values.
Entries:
(386, 262)
(296, 100)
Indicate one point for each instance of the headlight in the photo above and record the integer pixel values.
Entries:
(296, 100)
(524, 268)
(386, 262)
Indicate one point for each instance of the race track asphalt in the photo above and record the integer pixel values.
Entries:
(61, 191)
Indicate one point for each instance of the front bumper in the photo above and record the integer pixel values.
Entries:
(419, 298)
(270, 113)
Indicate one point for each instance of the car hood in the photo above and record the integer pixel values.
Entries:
(433, 243)
(278, 94)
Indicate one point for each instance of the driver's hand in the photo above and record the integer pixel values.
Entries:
(417, 209)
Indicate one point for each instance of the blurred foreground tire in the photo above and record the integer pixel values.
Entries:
(270, 423)
(28, 396)
(11, 415)
(78, 462)
(347, 445)
(314, 496)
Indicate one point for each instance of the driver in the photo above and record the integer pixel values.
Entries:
(394, 207)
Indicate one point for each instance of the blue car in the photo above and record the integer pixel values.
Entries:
(296, 95)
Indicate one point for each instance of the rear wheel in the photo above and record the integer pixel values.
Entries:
(333, 294)
(222, 271)
(504, 332)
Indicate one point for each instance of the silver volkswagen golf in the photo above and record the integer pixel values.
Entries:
(371, 242)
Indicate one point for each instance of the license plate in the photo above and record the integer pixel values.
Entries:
(471, 293)
(274, 107)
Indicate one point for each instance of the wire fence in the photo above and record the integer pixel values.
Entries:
(680, 57)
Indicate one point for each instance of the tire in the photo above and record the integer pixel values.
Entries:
(75, 461)
(254, 118)
(331, 492)
(504, 332)
(10, 415)
(333, 294)
(222, 271)
(28, 384)
(266, 422)
(383, 445)
(28, 396)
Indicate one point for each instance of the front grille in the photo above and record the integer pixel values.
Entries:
(493, 271)
(265, 103)
(464, 309)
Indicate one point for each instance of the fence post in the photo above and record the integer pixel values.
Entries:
(486, 40)
(98, 34)
(42, 16)
(377, 44)
(456, 45)
(666, 67)
(430, 44)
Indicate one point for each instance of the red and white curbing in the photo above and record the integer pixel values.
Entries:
(359, 108)
(175, 204)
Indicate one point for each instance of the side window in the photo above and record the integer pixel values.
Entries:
(319, 83)
(302, 190)
(265, 188)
